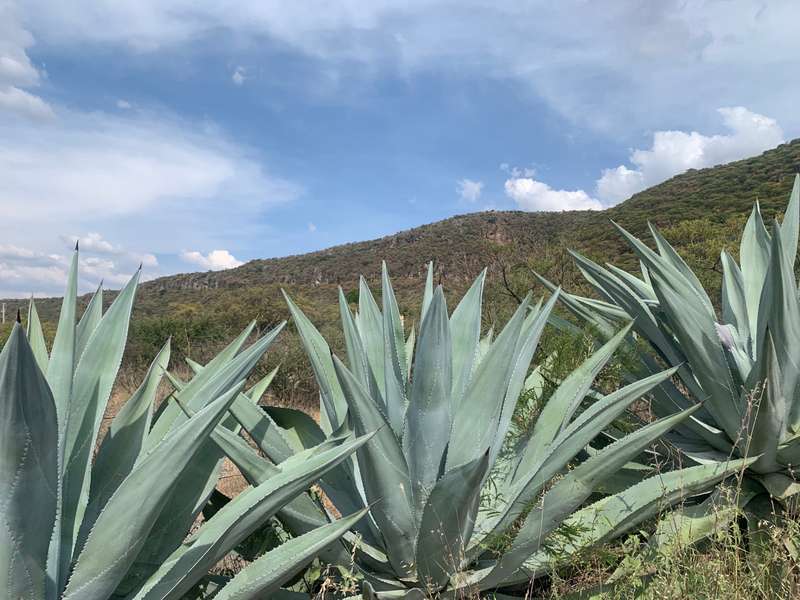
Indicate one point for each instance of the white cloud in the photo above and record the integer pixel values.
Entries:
(534, 195)
(16, 70)
(469, 190)
(671, 153)
(216, 260)
(19, 101)
(312, 227)
(674, 152)
(151, 183)
(25, 271)
(238, 76)
(124, 104)
(615, 66)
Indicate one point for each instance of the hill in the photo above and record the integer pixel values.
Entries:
(700, 211)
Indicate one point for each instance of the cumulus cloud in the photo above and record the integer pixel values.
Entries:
(534, 195)
(151, 183)
(216, 260)
(469, 190)
(671, 153)
(25, 271)
(16, 70)
(674, 152)
(311, 227)
(124, 104)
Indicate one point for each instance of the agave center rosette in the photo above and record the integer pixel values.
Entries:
(454, 504)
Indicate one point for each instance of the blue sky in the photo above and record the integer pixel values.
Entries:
(196, 135)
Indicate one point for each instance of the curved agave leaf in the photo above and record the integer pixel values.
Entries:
(428, 418)
(447, 522)
(569, 492)
(264, 576)
(754, 258)
(123, 442)
(394, 359)
(237, 519)
(476, 415)
(89, 321)
(384, 473)
(28, 470)
(615, 515)
(109, 548)
(36, 337)
(465, 327)
(319, 354)
(95, 374)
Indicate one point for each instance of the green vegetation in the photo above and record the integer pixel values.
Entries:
(86, 525)
(744, 364)
(458, 506)
(539, 474)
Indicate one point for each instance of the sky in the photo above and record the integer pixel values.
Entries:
(194, 135)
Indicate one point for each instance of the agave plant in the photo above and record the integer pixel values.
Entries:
(84, 528)
(743, 362)
(458, 505)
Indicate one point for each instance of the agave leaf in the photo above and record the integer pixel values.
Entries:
(395, 367)
(196, 483)
(669, 254)
(734, 303)
(699, 340)
(605, 321)
(620, 294)
(94, 377)
(28, 470)
(36, 337)
(689, 524)
(428, 418)
(195, 366)
(89, 321)
(558, 411)
(447, 522)
(754, 258)
(465, 325)
(779, 298)
(340, 484)
(427, 295)
(123, 442)
(642, 288)
(477, 413)
(109, 548)
(260, 387)
(528, 479)
(532, 330)
(384, 473)
(410, 343)
(62, 356)
(790, 227)
(614, 515)
(569, 492)
(172, 414)
(238, 519)
(299, 516)
(768, 423)
(60, 372)
(356, 355)
(262, 578)
(666, 270)
(318, 351)
(370, 328)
